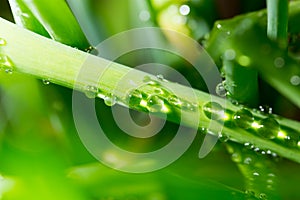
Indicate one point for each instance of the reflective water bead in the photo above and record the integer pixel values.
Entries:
(188, 106)
(149, 81)
(156, 104)
(91, 91)
(213, 110)
(134, 98)
(2, 42)
(262, 196)
(174, 100)
(92, 50)
(220, 90)
(269, 128)
(247, 160)
(243, 118)
(223, 137)
(160, 77)
(110, 100)
(266, 109)
(6, 64)
(236, 157)
(46, 81)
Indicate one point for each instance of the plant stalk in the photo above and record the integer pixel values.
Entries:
(277, 29)
(46, 59)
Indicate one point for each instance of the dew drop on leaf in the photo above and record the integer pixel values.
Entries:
(6, 64)
(220, 90)
(134, 98)
(236, 157)
(243, 118)
(160, 77)
(110, 100)
(91, 91)
(213, 110)
(247, 161)
(174, 100)
(46, 81)
(149, 81)
(269, 128)
(223, 138)
(156, 104)
(92, 50)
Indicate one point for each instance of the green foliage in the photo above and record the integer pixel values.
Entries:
(41, 156)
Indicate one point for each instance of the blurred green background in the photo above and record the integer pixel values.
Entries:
(42, 157)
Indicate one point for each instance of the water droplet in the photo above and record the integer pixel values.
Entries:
(255, 174)
(250, 193)
(91, 91)
(236, 157)
(266, 109)
(184, 10)
(92, 50)
(247, 145)
(228, 32)
(279, 62)
(185, 105)
(229, 54)
(135, 98)
(160, 77)
(144, 15)
(256, 149)
(243, 118)
(8, 71)
(156, 104)
(6, 64)
(220, 90)
(46, 81)
(269, 128)
(262, 196)
(2, 42)
(219, 26)
(149, 81)
(223, 137)
(174, 100)
(292, 139)
(110, 100)
(247, 161)
(295, 80)
(213, 110)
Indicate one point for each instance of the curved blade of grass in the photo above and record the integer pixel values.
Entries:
(24, 18)
(62, 64)
(278, 21)
(54, 16)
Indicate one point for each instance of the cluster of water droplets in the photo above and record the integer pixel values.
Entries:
(266, 127)
(6, 63)
(157, 98)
